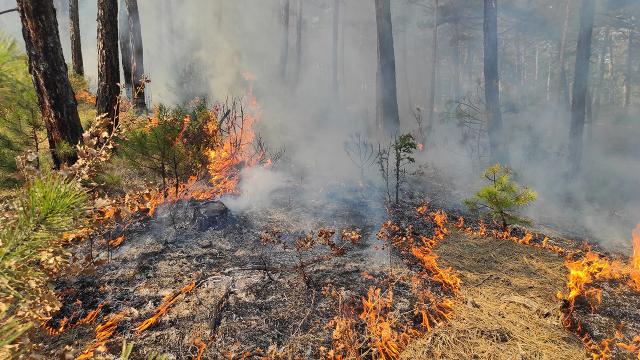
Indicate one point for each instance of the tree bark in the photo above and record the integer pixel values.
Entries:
(108, 62)
(49, 72)
(387, 87)
(284, 52)
(434, 71)
(76, 43)
(580, 85)
(137, 55)
(497, 144)
(125, 47)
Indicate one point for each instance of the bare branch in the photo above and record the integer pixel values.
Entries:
(8, 11)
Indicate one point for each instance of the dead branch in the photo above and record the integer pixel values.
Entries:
(8, 11)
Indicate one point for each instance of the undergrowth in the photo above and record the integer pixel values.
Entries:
(30, 252)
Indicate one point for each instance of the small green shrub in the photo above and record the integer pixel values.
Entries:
(502, 197)
(21, 126)
(393, 161)
(29, 251)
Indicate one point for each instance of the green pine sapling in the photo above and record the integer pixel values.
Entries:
(502, 197)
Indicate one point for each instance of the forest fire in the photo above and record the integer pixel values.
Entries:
(170, 207)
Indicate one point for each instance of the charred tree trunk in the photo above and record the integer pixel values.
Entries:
(434, 71)
(137, 55)
(580, 85)
(334, 53)
(108, 62)
(497, 144)
(387, 90)
(76, 43)
(49, 72)
(284, 52)
(125, 47)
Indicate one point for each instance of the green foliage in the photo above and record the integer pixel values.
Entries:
(404, 147)
(50, 206)
(21, 127)
(502, 197)
(401, 152)
(171, 149)
(127, 348)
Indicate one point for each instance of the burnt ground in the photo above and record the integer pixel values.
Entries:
(252, 297)
(250, 293)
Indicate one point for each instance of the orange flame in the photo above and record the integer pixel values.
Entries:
(168, 301)
(104, 332)
(378, 320)
(635, 259)
(201, 346)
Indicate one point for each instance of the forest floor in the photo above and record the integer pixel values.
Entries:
(245, 288)
(508, 308)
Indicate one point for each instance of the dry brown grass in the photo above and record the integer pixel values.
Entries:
(507, 309)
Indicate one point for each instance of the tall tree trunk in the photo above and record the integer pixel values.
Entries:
(434, 71)
(457, 81)
(299, 42)
(284, 52)
(562, 90)
(628, 71)
(49, 72)
(497, 144)
(611, 72)
(599, 85)
(108, 62)
(76, 43)
(137, 52)
(387, 88)
(125, 47)
(580, 85)
(334, 52)
(549, 72)
(536, 71)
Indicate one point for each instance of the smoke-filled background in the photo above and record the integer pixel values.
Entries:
(220, 48)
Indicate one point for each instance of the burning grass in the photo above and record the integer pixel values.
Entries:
(168, 301)
(382, 330)
(505, 309)
(588, 273)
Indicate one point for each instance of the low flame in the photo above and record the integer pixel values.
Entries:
(635, 259)
(104, 332)
(168, 301)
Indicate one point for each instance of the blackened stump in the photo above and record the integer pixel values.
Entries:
(210, 214)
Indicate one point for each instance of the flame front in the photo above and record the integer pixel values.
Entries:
(635, 259)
